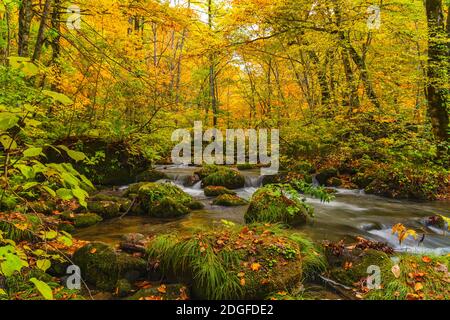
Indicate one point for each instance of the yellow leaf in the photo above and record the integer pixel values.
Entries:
(255, 266)
(418, 286)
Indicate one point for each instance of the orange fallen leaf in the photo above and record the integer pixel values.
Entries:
(426, 259)
(242, 282)
(93, 250)
(162, 288)
(255, 266)
(418, 286)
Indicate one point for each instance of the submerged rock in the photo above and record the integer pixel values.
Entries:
(235, 262)
(102, 266)
(270, 205)
(228, 200)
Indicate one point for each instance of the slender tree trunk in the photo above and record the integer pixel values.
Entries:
(42, 27)
(25, 17)
(212, 72)
(438, 57)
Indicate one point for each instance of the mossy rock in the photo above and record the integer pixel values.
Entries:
(215, 191)
(334, 182)
(115, 163)
(324, 175)
(416, 277)
(206, 170)
(161, 200)
(82, 220)
(162, 292)
(151, 175)
(106, 209)
(102, 266)
(66, 227)
(123, 288)
(195, 205)
(224, 177)
(281, 177)
(228, 200)
(44, 207)
(235, 262)
(269, 205)
(246, 166)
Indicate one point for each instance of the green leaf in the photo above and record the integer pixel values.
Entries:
(49, 235)
(29, 185)
(76, 155)
(64, 194)
(2, 292)
(43, 288)
(81, 195)
(8, 143)
(43, 264)
(24, 64)
(27, 171)
(65, 241)
(32, 152)
(50, 191)
(7, 121)
(59, 97)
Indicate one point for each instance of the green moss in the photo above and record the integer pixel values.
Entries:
(214, 191)
(106, 209)
(226, 178)
(151, 175)
(81, 220)
(163, 200)
(101, 266)
(272, 205)
(123, 287)
(223, 177)
(170, 292)
(231, 262)
(246, 166)
(195, 205)
(228, 200)
(419, 277)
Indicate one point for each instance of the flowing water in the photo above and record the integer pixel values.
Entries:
(352, 214)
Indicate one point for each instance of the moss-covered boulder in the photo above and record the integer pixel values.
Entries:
(326, 174)
(161, 200)
(272, 204)
(214, 191)
(246, 166)
(102, 266)
(82, 220)
(221, 176)
(106, 209)
(235, 262)
(116, 162)
(151, 175)
(162, 292)
(403, 276)
(228, 200)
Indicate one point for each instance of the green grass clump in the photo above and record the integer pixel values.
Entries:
(271, 204)
(213, 191)
(228, 200)
(233, 262)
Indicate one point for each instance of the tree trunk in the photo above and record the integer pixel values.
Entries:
(42, 27)
(25, 16)
(438, 55)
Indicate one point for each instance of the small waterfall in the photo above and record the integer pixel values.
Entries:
(253, 181)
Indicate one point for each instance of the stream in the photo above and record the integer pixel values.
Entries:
(352, 214)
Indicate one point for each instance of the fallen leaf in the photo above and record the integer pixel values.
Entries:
(242, 282)
(162, 288)
(426, 259)
(241, 274)
(396, 271)
(255, 266)
(418, 286)
(93, 250)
